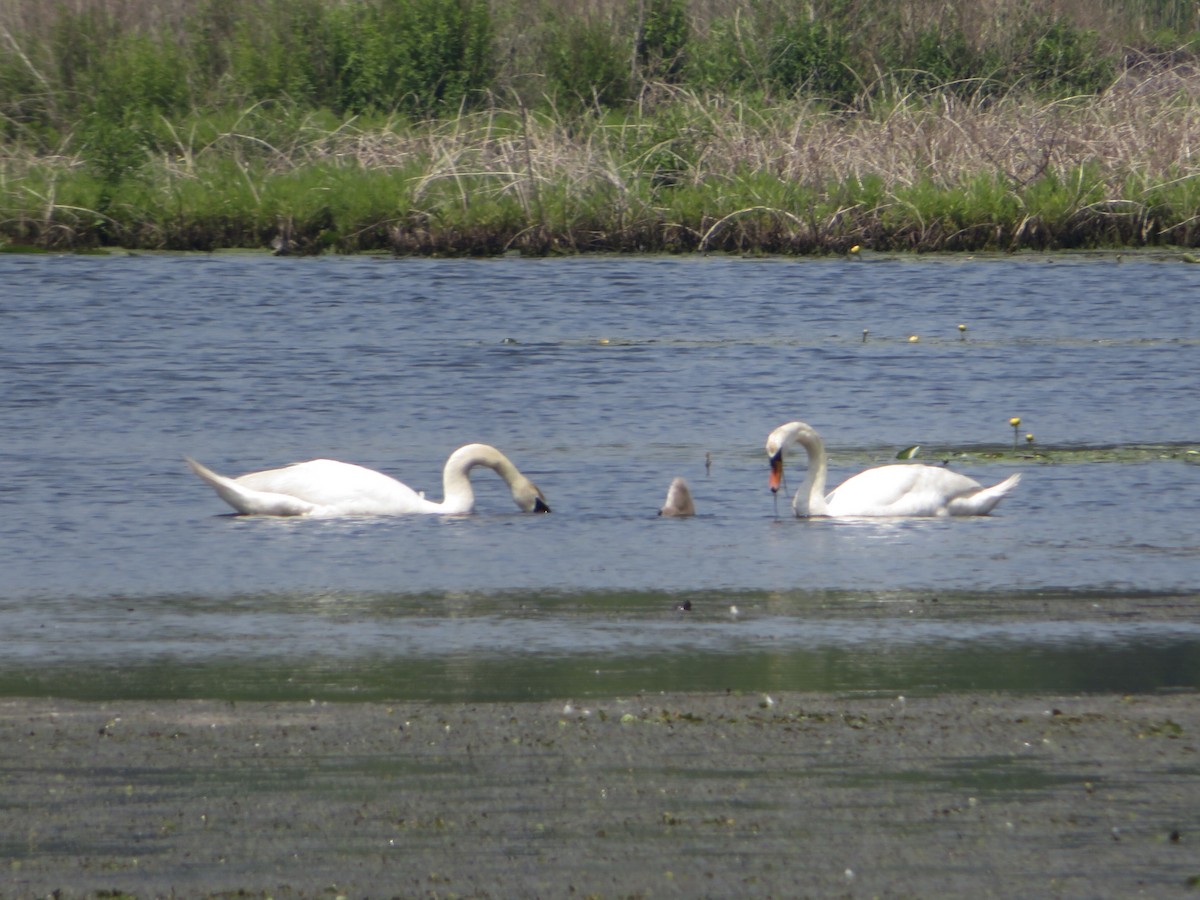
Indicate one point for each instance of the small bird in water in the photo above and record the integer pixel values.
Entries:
(679, 500)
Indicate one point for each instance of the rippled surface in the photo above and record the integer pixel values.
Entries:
(602, 379)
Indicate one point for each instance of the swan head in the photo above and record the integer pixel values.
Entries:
(778, 441)
(806, 436)
(525, 493)
(529, 497)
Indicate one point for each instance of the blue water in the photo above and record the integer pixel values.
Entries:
(602, 378)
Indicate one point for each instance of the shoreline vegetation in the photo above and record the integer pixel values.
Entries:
(476, 128)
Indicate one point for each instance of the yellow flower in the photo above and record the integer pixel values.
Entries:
(1015, 421)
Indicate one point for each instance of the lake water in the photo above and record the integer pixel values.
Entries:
(602, 378)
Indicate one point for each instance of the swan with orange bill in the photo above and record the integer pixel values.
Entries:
(901, 490)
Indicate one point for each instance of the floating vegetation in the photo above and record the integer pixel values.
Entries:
(1125, 453)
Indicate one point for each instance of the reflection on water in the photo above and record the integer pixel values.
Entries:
(603, 379)
(1122, 664)
(521, 646)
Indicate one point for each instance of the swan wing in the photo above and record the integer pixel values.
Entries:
(903, 490)
(338, 488)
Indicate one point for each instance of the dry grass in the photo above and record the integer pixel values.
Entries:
(1147, 129)
(683, 172)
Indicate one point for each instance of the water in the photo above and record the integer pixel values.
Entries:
(122, 575)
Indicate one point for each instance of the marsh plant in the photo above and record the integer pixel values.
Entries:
(475, 127)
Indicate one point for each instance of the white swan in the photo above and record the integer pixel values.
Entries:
(679, 500)
(326, 488)
(895, 490)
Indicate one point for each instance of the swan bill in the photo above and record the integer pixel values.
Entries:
(539, 506)
(776, 471)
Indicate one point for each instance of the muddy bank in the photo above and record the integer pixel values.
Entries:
(649, 796)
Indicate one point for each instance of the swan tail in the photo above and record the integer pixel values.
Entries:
(249, 502)
(984, 500)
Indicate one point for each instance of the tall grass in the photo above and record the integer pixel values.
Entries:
(950, 173)
(462, 126)
(63, 59)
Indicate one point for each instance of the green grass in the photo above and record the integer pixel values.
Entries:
(482, 190)
(158, 155)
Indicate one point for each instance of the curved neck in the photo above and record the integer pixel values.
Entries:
(810, 499)
(457, 495)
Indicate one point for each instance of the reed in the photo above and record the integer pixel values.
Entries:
(200, 144)
(63, 59)
(915, 174)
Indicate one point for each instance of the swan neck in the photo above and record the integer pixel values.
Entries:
(458, 495)
(810, 499)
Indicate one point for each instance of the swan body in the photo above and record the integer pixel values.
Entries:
(893, 490)
(325, 488)
(679, 500)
